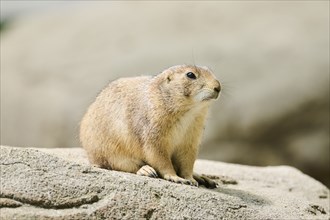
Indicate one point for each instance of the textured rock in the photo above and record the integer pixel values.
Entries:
(60, 184)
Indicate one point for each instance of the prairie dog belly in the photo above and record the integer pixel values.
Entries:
(187, 126)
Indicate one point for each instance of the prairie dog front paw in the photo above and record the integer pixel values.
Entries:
(177, 179)
(205, 181)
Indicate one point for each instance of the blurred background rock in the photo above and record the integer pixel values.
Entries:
(272, 58)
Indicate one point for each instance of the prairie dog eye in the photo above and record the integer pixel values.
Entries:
(191, 75)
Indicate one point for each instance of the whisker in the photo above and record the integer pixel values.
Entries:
(229, 89)
(226, 96)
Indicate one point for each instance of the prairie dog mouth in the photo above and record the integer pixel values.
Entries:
(206, 95)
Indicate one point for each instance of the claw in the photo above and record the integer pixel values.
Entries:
(177, 179)
(203, 180)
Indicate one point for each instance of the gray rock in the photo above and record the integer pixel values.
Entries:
(60, 184)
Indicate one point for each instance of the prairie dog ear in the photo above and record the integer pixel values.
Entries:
(169, 77)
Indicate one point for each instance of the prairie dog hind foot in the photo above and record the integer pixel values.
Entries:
(147, 170)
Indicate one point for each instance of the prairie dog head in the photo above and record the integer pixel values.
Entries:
(192, 84)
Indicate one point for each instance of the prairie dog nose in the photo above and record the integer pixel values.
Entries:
(217, 87)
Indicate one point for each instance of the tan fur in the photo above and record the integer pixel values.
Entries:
(156, 121)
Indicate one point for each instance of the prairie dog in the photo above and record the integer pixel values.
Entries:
(151, 125)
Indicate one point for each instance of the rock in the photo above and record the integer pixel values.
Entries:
(60, 184)
(4, 202)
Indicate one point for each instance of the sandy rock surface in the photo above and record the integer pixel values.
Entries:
(60, 184)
